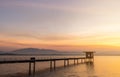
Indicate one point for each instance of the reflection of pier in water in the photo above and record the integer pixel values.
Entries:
(88, 59)
(90, 67)
(90, 63)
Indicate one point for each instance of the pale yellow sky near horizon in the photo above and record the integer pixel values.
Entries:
(60, 24)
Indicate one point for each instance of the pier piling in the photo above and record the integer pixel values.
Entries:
(32, 65)
(64, 63)
(77, 61)
(54, 64)
(29, 68)
(51, 65)
(74, 61)
(68, 62)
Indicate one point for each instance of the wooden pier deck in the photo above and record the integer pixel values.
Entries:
(38, 60)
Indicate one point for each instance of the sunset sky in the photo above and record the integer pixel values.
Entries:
(67, 25)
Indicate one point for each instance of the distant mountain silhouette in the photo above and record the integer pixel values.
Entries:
(34, 51)
(1, 52)
(5, 53)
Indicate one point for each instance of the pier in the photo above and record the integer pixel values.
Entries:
(89, 56)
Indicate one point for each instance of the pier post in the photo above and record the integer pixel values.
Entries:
(68, 62)
(74, 61)
(51, 65)
(32, 69)
(54, 64)
(33, 61)
(64, 63)
(77, 61)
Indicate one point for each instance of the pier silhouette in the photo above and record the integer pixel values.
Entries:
(89, 57)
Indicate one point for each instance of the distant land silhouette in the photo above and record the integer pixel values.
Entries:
(5, 53)
(37, 51)
(1, 52)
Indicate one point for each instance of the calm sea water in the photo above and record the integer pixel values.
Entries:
(103, 66)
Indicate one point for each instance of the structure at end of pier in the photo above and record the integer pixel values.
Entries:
(89, 55)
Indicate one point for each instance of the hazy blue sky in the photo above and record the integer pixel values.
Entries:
(60, 24)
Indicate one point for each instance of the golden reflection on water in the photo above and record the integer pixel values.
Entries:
(107, 66)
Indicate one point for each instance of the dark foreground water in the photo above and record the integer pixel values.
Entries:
(103, 66)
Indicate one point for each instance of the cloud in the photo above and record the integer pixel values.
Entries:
(46, 37)
(11, 43)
